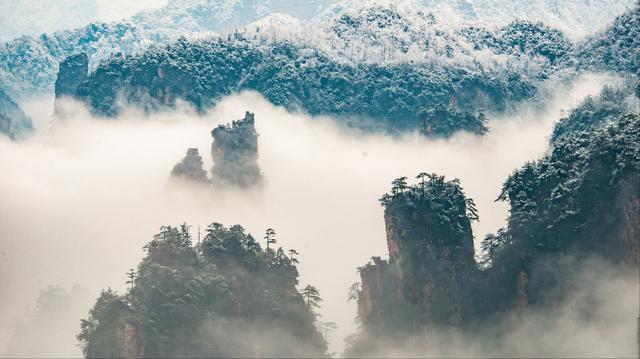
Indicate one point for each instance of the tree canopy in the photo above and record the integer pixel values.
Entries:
(230, 299)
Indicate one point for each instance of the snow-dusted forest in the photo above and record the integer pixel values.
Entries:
(320, 178)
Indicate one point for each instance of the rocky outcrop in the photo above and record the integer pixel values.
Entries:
(423, 284)
(235, 154)
(127, 343)
(14, 123)
(379, 292)
(71, 73)
(235, 157)
(191, 168)
(629, 231)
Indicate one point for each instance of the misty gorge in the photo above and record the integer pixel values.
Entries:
(268, 179)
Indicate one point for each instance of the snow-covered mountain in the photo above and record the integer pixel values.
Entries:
(355, 31)
(28, 64)
(576, 18)
(389, 34)
(216, 16)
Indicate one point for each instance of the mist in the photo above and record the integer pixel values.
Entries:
(83, 196)
(596, 319)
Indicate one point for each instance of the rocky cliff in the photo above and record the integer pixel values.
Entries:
(71, 73)
(113, 330)
(191, 168)
(235, 157)
(577, 209)
(423, 283)
(235, 153)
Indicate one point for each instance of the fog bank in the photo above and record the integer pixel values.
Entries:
(82, 197)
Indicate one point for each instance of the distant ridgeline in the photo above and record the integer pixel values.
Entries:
(224, 297)
(235, 157)
(579, 202)
(373, 67)
(203, 72)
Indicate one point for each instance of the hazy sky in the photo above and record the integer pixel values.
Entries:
(118, 9)
(35, 17)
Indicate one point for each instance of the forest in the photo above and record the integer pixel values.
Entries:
(223, 296)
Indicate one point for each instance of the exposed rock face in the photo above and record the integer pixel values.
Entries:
(13, 121)
(423, 283)
(235, 153)
(629, 233)
(71, 73)
(380, 291)
(235, 157)
(191, 167)
(127, 344)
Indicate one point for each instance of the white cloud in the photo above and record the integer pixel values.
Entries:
(81, 200)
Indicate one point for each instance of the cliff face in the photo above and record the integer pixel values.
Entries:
(629, 232)
(380, 299)
(235, 153)
(71, 73)
(431, 252)
(235, 157)
(127, 343)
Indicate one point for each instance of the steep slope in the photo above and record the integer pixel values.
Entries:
(235, 154)
(580, 200)
(617, 48)
(387, 34)
(608, 106)
(29, 65)
(216, 16)
(13, 122)
(376, 63)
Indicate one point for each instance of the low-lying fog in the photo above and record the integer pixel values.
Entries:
(81, 198)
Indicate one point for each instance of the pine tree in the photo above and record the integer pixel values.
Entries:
(311, 296)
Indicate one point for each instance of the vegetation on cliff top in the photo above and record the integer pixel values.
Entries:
(202, 72)
(579, 202)
(225, 296)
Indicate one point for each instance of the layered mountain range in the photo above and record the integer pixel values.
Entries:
(28, 64)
